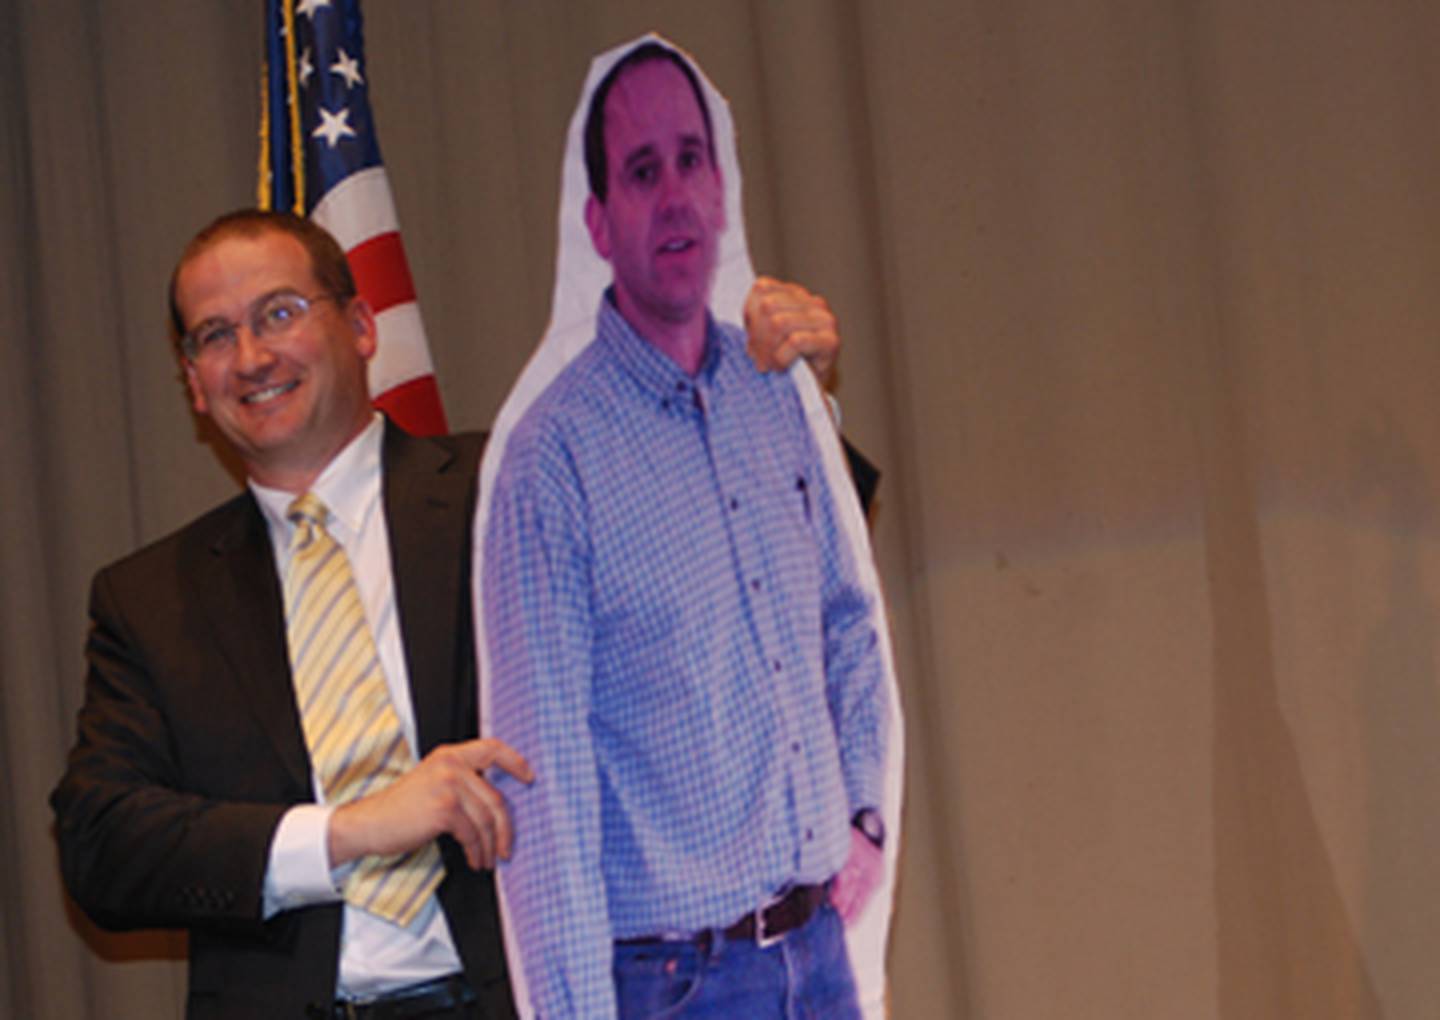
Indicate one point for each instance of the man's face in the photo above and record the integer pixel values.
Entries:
(660, 223)
(289, 402)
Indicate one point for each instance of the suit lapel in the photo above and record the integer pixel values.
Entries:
(428, 499)
(241, 597)
(428, 494)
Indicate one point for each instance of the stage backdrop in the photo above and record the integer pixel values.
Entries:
(1142, 320)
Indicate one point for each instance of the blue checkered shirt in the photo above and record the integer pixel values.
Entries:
(680, 646)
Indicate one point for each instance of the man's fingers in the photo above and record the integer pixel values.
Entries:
(472, 827)
(781, 298)
(484, 819)
(489, 804)
(769, 303)
(803, 343)
(785, 316)
(513, 762)
(470, 837)
(484, 753)
(766, 287)
(790, 321)
(785, 321)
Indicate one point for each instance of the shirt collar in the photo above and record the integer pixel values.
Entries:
(349, 486)
(642, 360)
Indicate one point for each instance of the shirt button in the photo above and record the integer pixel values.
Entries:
(734, 503)
(777, 665)
(795, 747)
(809, 835)
(755, 584)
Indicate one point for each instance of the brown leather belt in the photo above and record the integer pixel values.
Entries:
(765, 925)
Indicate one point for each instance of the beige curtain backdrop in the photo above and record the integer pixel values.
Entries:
(1141, 301)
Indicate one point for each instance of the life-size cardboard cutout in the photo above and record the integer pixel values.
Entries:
(581, 278)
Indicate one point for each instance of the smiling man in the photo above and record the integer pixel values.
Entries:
(278, 749)
(678, 636)
(288, 392)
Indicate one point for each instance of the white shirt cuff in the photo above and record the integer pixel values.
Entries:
(299, 871)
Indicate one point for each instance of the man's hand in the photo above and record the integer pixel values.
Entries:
(445, 793)
(784, 321)
(859, 877)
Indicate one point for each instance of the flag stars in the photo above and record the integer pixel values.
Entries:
(306, 68)
(334, 126)
(348, 68)
(309, 7)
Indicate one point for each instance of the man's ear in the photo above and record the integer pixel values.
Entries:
(599, 226)
(361, 318)
(192, 383)
(720, 223)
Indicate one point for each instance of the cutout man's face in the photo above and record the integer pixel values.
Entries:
(660, 223)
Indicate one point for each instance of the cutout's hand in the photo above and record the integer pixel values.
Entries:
(858, 879)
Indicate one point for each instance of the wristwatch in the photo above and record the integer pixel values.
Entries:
(871, 825)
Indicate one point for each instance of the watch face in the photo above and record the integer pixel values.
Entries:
(871, 826)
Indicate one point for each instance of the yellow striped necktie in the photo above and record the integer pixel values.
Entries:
(356, 743)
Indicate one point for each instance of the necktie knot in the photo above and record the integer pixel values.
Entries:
(308, 508)
(308, 513)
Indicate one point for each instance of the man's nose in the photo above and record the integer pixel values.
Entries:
(674, 195)
(251, 352)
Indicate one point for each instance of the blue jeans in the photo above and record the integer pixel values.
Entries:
(806, 974)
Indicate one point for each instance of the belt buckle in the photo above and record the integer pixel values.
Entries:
(763, 939)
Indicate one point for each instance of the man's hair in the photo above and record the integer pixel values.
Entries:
(327, 258)
(596, 168)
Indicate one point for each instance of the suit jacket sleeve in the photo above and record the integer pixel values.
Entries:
(151, 831)
(864, 474)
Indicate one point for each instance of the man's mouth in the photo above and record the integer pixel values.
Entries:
(676, 245)
(269, 393)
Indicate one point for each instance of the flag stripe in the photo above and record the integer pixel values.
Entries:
(381, 272)
(402, 355)
(358, 207)
(417, 403)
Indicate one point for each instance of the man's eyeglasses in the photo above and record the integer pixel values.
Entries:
(271, 316)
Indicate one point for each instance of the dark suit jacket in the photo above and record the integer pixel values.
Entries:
(190, 745)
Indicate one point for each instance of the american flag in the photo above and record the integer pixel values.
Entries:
(319, 157)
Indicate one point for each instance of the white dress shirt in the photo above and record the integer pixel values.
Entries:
(375, 955)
